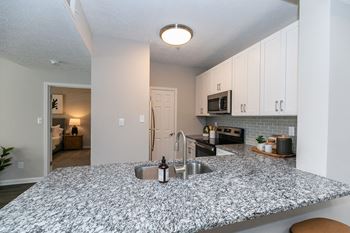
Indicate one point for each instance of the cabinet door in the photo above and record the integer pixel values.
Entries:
(221, 77)
(252, 106)
(239, 83)
(290, 103)
(198, 107)
(272, 74)
(205, 92)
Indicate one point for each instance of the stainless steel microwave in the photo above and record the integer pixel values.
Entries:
(220, 103)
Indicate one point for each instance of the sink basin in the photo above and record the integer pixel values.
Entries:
(146, 172)
(196, 167)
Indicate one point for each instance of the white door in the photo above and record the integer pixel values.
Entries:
(252, 106)
(221, 77)
(163, 104)
(272, 74)
(240, 84)
(290, 105)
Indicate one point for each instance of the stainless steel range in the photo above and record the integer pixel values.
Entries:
(224, 135)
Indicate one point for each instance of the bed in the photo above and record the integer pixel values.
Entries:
(57, 133)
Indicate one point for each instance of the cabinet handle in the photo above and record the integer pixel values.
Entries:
(219, 86)
(245, 107)
(281, 104)
(276, 107)
(241, 107)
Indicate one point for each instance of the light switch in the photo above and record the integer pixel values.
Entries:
(39, 120)
(142, 118)
(121, 122)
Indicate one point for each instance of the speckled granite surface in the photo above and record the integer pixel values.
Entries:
(245, 150)
(110, 199)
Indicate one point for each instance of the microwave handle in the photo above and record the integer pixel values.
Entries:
(220, 103)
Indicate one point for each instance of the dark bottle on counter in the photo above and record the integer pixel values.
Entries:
(163, 171)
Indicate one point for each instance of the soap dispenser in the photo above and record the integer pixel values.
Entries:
(163, 171)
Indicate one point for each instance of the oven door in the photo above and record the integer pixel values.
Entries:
(203, 150)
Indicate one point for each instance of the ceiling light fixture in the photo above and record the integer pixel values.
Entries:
(176, 34)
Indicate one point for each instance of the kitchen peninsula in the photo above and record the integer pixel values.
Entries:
(109, 198)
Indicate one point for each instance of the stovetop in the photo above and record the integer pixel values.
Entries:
(224, 135)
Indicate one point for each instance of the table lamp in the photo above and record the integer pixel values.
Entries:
(74, 122)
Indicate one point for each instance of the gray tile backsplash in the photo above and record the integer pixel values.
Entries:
(255, 126)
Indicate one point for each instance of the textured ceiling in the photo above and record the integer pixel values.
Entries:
(34, 31)
(221, 27)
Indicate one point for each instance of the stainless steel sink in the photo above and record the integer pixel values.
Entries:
(147, 172)
(196, 167)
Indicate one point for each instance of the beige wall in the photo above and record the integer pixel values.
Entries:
(182, 78)
(120, 89)
(21, 102)
(77, 104)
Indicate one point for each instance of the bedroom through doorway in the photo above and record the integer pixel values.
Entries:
(70, 126)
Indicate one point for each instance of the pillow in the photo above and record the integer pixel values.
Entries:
(56, 132)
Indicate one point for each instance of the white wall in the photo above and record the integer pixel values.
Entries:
(21, 102)
(120, 89)
(339, 95)
(182, 78)
(313, 86)
(323, 119)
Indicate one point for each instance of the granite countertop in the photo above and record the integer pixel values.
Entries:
(245, 150)
(109, 198)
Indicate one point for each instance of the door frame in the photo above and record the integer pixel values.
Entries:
(47, 116)
(175, 110)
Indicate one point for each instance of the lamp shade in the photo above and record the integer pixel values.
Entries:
(74, 121)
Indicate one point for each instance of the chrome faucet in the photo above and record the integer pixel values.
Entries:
(183, 168)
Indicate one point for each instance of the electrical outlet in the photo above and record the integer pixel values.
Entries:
(121, 122)
(20, 164)
(291, 131)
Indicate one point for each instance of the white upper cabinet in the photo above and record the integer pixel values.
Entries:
(221, 77)
(263, 78)
(246, 82)
(202, 91)
(279, 72)
(291, 35)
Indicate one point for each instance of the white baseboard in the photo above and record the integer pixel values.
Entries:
(20, 181)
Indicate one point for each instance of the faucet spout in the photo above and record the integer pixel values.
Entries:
(183, 168)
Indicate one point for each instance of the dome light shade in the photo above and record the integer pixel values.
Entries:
(176, 34)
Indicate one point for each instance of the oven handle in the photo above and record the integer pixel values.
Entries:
(205, 146)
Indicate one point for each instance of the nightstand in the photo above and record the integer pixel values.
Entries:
(73, 142)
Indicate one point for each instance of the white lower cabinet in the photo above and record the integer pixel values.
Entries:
(191, 148)
(246, 82)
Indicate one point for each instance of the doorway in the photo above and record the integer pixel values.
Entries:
(163, 122)
(67, 127)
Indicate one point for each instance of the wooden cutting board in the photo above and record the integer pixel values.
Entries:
(273, 154)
